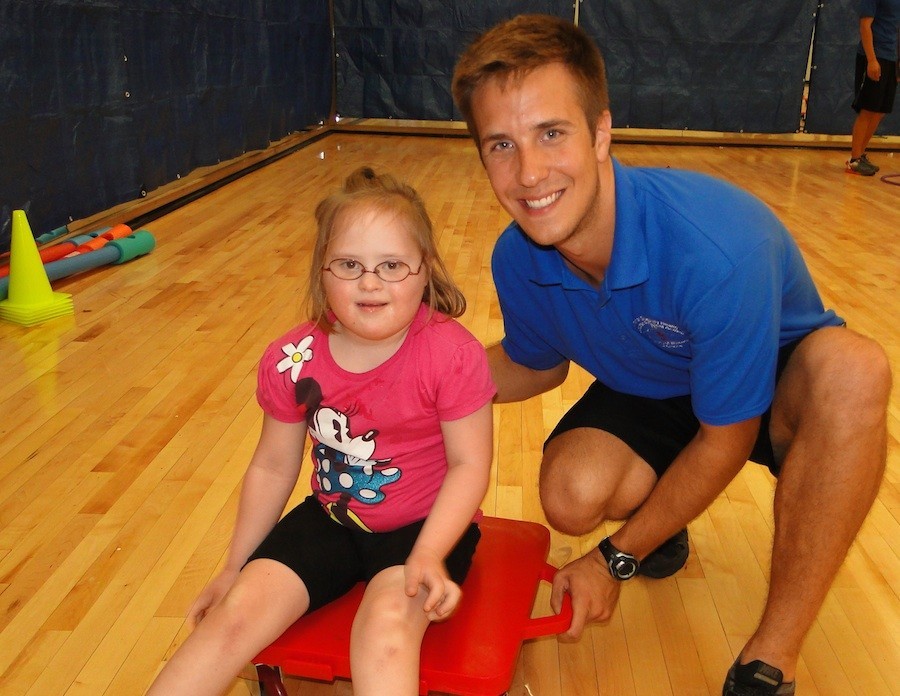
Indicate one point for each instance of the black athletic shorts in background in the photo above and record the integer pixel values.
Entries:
(871, 95)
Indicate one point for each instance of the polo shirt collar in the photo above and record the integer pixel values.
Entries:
(628, 266)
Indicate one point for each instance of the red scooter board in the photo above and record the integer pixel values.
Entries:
(474, 653)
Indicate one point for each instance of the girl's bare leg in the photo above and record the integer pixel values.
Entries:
(266, 598)
(387, 637)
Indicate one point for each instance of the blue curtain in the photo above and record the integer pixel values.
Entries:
(672, 64)
(395, 58)
(105, 101)
(717, 65)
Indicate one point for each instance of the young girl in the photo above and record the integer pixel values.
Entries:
(396, 397)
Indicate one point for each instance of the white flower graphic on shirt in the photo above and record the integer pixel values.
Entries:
(296, 356)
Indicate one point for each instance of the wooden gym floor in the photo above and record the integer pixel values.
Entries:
(126, 430)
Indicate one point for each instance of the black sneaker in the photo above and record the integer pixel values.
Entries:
(756, 679)
(861, 166)
(669, 558)
(866, 159)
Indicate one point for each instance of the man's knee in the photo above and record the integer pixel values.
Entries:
(855, 379)
(873, 366)
(837, 379)
(587, 478)
(572, 508)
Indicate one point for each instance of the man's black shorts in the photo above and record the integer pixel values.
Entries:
(331, 558)
(657, 429)
(871, 95)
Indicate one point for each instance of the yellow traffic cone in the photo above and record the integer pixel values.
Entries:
(31, 299)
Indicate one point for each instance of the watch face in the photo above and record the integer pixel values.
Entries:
(624, 568)
(621, 565)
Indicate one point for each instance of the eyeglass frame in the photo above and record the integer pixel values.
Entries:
(375, 270)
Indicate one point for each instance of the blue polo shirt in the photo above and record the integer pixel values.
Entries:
(885, 20)
(703, 287)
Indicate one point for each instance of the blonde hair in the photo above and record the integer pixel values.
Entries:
(518, 46)
(382, 193)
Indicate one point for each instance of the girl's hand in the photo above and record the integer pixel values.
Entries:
(427, 571)
(211, 595)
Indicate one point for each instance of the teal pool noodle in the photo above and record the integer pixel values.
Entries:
(51, 235)
(79, 240)
(71, 265)
(134, 245)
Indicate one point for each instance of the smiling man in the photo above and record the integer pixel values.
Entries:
(690, 304)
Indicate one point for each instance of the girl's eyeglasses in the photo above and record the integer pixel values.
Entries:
(389, 271)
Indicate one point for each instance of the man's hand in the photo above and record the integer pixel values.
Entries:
(593, 590)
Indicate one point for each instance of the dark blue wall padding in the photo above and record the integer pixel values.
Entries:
(395, 58)
(103, 101)
(672, 64)
(716, 65)
(831, 85)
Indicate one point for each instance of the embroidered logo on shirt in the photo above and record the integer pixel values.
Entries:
(296, 356)
(662, 333)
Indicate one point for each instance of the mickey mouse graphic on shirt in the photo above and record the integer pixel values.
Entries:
(344, 463)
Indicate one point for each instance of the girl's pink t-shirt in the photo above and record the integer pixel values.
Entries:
(378, 452)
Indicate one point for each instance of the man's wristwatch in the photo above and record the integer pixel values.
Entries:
(621, 565)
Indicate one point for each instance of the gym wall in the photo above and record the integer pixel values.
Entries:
(102, 101)
(715, 65)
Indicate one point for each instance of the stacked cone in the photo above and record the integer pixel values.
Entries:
(31, 300)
